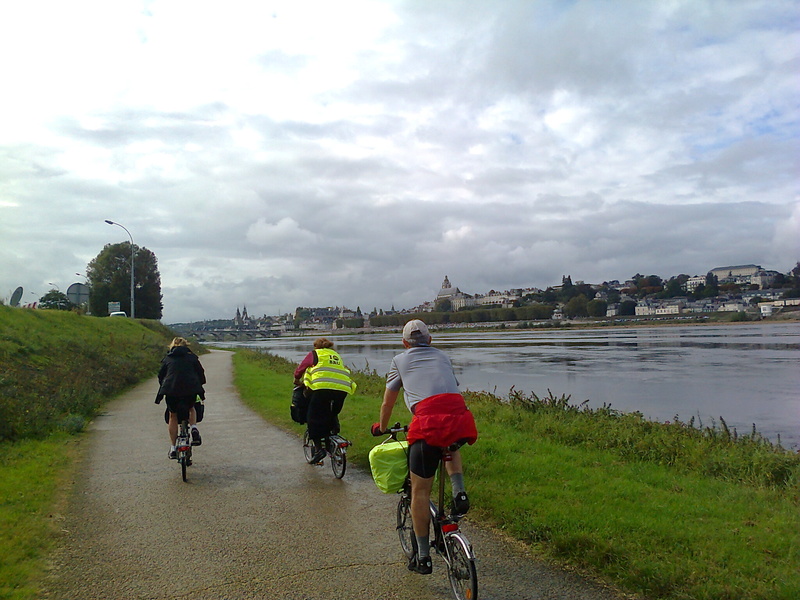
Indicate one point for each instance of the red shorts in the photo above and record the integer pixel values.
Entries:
(441, 421)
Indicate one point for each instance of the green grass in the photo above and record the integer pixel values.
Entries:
(57, 369)
(663, 510)
(33, 475)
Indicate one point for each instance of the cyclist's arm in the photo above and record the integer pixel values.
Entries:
(389, 398)
(309, 361)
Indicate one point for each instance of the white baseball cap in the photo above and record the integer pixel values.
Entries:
(416, 331)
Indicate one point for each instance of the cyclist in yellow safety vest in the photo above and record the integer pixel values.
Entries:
(327, 381)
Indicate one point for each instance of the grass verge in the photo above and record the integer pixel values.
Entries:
(662, 510)
(57, 369)
(33, 474)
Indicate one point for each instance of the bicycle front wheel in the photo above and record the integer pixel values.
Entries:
(308, 447)
(405, 528)
(339, 462)
(461, 567)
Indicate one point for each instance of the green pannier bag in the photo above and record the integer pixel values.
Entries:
(389, 465)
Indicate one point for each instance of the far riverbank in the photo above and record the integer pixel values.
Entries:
(743, 373)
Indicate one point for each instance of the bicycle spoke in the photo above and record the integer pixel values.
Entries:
(461, 568)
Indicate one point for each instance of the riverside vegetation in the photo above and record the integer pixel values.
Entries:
(672, 510)
(662, 510)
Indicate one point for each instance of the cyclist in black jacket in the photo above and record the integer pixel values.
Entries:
(181, 380)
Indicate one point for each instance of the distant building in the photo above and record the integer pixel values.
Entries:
(764, 279)
(455, 296)
(737, 274)
(695, 282)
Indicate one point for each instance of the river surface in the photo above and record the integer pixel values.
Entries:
(746, 374)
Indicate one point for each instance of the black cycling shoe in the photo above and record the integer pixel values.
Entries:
(460, 504)
(423, 566)
(172, 454)
(196, 440)
(319, 455)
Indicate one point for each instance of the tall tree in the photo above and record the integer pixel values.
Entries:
(576, 307)
(57, 300)
(109, 275)
(597, 308)
(444, 305)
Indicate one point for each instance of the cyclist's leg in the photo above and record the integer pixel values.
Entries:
(196, 439)
(420, 504)
(317, 416)
(455, 470)
(423, 460)
(318, 421)
(172, 427)
(454, 465)
(172, 424)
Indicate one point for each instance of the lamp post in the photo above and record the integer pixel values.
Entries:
(133, 310)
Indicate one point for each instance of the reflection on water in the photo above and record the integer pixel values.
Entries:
(747, 374)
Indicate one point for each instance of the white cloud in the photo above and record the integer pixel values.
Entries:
(504, 146)
(285, 232)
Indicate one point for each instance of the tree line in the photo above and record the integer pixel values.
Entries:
(108, 277)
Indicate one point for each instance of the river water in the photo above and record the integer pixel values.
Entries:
(747, 374)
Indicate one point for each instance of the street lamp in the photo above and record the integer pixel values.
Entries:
(55, 286)
(133, 310)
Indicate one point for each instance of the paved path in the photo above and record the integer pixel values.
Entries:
(253, 521)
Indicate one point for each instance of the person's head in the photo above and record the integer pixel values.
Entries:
(178, 341)
(322, 342)
(415, 333)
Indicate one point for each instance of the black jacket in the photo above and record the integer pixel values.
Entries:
(181, 374)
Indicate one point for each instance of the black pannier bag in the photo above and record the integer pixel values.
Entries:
(299, 408)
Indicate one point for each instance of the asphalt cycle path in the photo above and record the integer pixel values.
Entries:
(254, 521)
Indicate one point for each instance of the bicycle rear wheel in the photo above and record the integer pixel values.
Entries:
(183, 454)
(405, 528)
(339, 462)
(308, 447)
(461, 567)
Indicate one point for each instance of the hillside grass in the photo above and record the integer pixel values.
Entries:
(57, 370)
(668, 511)
(57, 367)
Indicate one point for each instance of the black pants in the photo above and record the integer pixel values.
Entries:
(324, 407)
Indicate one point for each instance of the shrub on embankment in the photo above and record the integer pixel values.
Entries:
(670, 511)
(58, 367)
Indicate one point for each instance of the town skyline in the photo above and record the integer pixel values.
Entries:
(425, 306)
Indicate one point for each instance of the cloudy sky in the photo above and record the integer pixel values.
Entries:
(277, 154)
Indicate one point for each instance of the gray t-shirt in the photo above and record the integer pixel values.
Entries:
(422, 371)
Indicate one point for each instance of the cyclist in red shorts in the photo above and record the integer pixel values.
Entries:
(441, 418)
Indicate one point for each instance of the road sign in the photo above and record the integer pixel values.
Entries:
(78, 293)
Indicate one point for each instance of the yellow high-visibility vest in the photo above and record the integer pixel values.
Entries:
(329, 373)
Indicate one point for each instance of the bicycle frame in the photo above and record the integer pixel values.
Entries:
(183, 447)
(335, 448)
(448, 540)
(443, 525)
